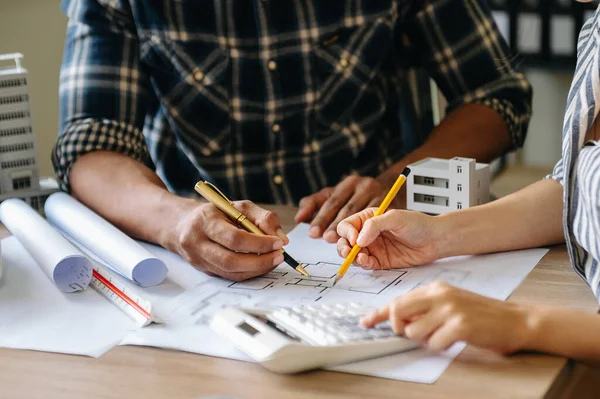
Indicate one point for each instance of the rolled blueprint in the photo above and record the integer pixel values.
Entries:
(109, 244)
(58, 258)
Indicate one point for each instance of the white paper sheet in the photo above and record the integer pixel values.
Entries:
(35, 315)
(115, 249)
(64, 264)
(187, 316)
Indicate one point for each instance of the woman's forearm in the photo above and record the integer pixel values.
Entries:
(531, 217)
(564, 332)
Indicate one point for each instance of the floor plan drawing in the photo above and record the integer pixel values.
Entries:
(322, 275)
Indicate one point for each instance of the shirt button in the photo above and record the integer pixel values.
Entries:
(272, 65)
(276, 128)
(343, 62)
(154, 39)
(277, 179)
(199, 76)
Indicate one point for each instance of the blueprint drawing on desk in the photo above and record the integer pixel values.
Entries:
(188, 315)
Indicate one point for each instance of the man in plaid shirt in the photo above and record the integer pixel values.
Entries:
(275, 101)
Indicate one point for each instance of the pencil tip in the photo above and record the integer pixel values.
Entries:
(337, 278)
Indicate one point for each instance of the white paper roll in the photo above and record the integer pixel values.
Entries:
(57, 257)
(105, 241)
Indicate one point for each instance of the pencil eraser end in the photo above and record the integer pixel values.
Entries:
(406, 172)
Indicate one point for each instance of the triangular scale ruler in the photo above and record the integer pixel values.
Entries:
(123, 297)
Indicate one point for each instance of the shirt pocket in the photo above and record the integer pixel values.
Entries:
(193, 81)
(345, 64)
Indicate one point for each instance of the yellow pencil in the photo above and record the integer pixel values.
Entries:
(380, 211)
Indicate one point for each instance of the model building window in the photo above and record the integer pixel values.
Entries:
(21, 183)
(478, 201)
(459, 169)
(429, 181)
(459, 187)
(17, 163)
(459, 205)
(478, 183)
(429, 198)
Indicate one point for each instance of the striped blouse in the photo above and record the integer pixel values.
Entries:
(579, 168)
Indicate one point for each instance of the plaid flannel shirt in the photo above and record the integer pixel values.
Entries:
(272, 100)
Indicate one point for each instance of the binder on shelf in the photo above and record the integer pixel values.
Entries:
(543, 32)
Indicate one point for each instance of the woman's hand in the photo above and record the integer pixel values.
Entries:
(395, 239)
(439, 315)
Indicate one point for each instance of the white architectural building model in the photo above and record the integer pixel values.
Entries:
(19, 176)
(437, 186)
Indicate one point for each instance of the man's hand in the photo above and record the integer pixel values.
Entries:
(334, 204)
(211, 242)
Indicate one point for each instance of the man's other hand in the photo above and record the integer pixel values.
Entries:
(331, 205)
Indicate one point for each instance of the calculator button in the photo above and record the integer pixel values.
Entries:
(354, 337)
(345, 337)
(298, 317)
(356, 312)
(347, 329)
(381, 334)
(331, 329)
(311, 326)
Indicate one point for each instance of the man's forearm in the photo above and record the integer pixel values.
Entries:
(127, 194)
(531, 217)
(472, 131)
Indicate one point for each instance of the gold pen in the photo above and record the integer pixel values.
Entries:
(213, 195)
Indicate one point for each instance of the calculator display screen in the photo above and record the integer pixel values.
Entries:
(249, 329)
(276, 327)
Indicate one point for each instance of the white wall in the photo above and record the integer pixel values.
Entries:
(36, 28)
(543, 145)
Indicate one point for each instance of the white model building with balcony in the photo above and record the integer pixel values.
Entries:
(19, 176)
(436, 186)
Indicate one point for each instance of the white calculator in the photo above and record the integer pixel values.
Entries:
(290, 340)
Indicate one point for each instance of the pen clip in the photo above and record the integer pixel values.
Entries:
(209, 184)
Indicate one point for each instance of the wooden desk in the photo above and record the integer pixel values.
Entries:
(157, 373)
